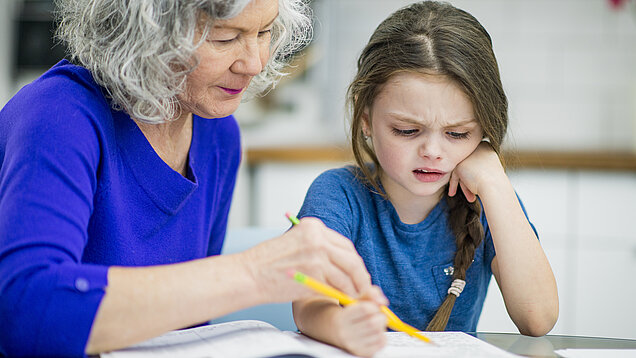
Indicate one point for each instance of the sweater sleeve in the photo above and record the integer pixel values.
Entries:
(49, 157)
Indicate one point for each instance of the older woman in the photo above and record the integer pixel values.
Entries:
(116, 176)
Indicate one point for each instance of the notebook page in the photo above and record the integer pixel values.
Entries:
(240, 339)
(401, 345)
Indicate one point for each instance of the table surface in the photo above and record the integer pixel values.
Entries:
(546, 345)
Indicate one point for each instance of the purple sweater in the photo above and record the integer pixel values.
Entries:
(81, 189)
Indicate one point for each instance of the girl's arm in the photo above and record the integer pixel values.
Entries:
(520, 266)
(357, 328)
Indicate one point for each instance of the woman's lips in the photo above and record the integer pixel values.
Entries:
(428, 175)
(231, 90)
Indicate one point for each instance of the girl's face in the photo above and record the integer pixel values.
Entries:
(421, 127)
(234, 52)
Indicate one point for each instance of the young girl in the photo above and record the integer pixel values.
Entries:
(430, 113)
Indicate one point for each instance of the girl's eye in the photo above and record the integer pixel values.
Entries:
(458, 135)
(404, 132)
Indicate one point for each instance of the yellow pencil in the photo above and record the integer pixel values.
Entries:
(393, 321)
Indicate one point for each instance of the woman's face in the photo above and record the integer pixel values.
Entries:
(234, 51)
(422, 126)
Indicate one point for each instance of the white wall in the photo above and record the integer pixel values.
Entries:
(568, 66)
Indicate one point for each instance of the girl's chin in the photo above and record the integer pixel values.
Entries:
(437, 191)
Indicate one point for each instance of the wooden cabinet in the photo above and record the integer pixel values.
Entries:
(585, 219)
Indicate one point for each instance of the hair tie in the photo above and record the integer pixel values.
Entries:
(457, 287)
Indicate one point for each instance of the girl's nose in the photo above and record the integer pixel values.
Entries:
(430, 148)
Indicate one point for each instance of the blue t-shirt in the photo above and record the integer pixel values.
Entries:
(411, 263)
(82, 189)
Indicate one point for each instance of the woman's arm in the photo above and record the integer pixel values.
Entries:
(520, 266)
(144, 302)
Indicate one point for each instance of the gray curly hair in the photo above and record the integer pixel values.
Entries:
(141, 51)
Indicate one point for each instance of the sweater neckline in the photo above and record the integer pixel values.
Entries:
(168, 189)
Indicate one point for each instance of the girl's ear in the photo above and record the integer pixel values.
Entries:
(366, 125)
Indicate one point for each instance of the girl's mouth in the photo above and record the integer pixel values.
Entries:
(428, 175)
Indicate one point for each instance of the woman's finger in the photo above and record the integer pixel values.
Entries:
(329, 257)
(351, 275)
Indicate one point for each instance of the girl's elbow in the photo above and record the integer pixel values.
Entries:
(536, 330)
(540, 325)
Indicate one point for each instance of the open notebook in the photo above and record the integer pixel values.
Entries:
(258, 339)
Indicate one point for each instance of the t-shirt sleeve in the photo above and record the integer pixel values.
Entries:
(330, 199)
(49, 155)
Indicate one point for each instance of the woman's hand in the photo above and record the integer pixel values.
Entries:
(482, 167)
(313, 249)
(360, 328)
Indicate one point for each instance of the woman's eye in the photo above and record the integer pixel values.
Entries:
(458, 135)
(264, 33)
(226, 41)
(404, 132)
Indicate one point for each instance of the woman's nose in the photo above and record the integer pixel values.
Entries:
(249, 62)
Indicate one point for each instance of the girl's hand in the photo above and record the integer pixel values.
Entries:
(360, 328)
(481, 168)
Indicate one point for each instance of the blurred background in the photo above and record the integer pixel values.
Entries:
(569, 70)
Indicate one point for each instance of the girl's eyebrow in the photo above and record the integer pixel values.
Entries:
(409, 120)
(244, 29)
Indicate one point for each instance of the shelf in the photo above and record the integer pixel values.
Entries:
(579, 160)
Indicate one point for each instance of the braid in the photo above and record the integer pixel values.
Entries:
(464, 221)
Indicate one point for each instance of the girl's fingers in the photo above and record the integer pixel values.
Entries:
(452, 184)
(468, 194)
(363, 328)
(367, 346)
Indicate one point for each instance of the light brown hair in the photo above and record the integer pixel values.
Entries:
(438, 39)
